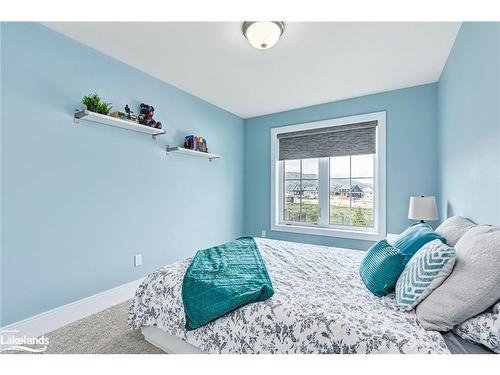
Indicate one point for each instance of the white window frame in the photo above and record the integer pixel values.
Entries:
(324, 228)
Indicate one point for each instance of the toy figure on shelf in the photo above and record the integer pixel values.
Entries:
(195, 143)
(146, 116)
(128, 111)
(127, 115)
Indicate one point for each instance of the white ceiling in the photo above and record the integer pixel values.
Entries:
(314, 62)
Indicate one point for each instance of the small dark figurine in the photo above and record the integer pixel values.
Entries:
(146, 116)
(128, 110)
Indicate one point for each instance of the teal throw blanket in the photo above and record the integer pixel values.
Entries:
(222, 279)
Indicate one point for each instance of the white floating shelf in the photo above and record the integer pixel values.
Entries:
(113, 121)
(188, 152)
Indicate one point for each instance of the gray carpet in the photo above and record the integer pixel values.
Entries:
(105, 332)
(102, 333)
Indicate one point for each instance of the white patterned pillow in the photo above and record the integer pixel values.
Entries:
(482, 329)
(425, 271)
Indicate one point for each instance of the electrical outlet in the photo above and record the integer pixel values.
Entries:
(263, 233)
(137, 260)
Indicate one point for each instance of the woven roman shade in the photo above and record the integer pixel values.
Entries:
(343, 140)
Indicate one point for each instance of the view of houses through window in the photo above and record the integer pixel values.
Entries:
(301, 190)
(351, 190)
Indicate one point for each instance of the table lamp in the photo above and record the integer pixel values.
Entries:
(423, 208)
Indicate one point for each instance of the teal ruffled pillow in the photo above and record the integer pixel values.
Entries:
(414, 237)
(381, 267)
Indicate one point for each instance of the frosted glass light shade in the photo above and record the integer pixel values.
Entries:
(263, 34)
(423, 208)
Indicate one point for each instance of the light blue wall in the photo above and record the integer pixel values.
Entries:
(80, 200)
(411, 156)
(469, 125)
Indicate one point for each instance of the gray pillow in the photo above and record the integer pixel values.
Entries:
(454, 228)
(472, 287)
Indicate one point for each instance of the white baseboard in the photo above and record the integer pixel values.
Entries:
(50, 320)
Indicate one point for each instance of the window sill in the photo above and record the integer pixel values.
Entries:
(330, 232)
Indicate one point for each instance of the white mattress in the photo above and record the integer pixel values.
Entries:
(320, 305)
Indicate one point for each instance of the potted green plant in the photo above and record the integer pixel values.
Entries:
(92, 102)
(104, 108)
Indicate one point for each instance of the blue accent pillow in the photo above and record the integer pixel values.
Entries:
(414, 237)
(381, 267)
(427, 270)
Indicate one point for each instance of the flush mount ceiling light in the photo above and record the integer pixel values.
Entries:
(263, 34)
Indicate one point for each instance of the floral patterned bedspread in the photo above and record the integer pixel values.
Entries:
(320, 305)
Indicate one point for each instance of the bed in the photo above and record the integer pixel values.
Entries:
(320, 305)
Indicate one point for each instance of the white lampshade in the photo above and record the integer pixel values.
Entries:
(263, 34)
(423, 208)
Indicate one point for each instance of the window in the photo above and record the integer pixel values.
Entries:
(351, 190)
(328, 177)
(301, 191)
